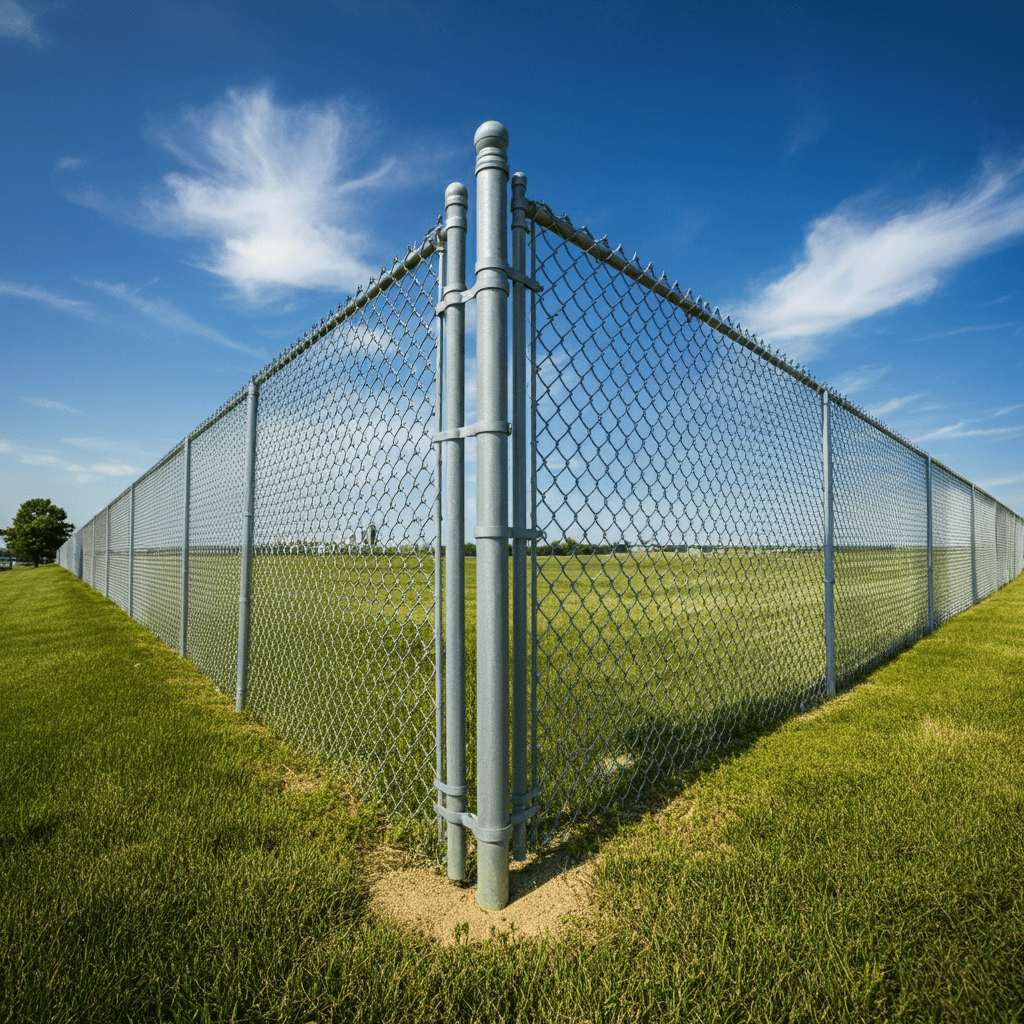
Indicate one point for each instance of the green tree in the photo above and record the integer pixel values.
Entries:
(39, 528)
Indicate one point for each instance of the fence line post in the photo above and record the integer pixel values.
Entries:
(92, 567)
(131, 554)
(974, 552)
(248, 507)
(183, 637)
(829, 541)
(931, 587)
(456, 205)
(520, 718)
(492, 288)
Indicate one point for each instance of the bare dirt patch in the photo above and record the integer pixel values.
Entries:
(545, 895)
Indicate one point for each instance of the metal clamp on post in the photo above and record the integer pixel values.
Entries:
(528, 803)
(458, 433)
(460, 298)
(443, 787)
(507, 532)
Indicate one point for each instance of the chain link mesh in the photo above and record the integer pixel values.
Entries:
(342, 600)
(985, 544)
(216, 495)
(678, 590)
(951, 545)
(881, 544)
(159, 522)
(120, 526)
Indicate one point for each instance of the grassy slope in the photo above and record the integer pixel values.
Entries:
(863, 863)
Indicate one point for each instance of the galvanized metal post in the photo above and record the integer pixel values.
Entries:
(974, 552)
(131, 554)
(492, 533)
(533, 523)
(439, 538)
(183, 634)
(248, 507)
(830, 642)
(106, 559)
(456, 204)
(520, 717)
(931, 588)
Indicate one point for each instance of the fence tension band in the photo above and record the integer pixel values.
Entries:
(528, 801)
(508, 532)
(460, 298)
(458, 433)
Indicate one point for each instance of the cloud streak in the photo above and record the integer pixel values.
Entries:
(895, 403)
(83, 474)
(272, 189)
(855, 266)
(36, 294)
(49, 403)
(17, 23)
(164, 313)
(964, 429)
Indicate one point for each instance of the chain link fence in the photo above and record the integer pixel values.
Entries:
(716, 540)
(341, 657)
(680, 588)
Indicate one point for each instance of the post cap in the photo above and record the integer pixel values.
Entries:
(491, 135)
(456, 193)
(519, 179)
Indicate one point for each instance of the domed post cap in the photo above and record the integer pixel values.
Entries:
(456, 194)
(491, 135)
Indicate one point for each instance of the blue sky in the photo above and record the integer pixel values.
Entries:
(186, 187)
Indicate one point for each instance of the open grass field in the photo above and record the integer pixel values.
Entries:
(647, 661)
(164, 860)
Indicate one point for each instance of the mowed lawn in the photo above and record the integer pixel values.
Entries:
(647, 661)
(164, 859)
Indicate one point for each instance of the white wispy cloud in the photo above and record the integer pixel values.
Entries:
(973, 329)
(68, 163)
(48, 403)
(163, 312)
(965, 429)
(274, 191)
(855, 265)
(17, 23)
(859, 378)
(36, 294)
(1007, 409)
(1003, 481)
(82, 474)
(102, 444)
(895, 403)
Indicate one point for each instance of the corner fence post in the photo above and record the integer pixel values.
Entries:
(131, 555)
(931, 588)
(520, 712)
(183, 635)
(242, 678)
(456, 205)
(829, 540)
(492, 289)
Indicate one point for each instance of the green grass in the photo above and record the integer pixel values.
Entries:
(860, 863)
(647, 662)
